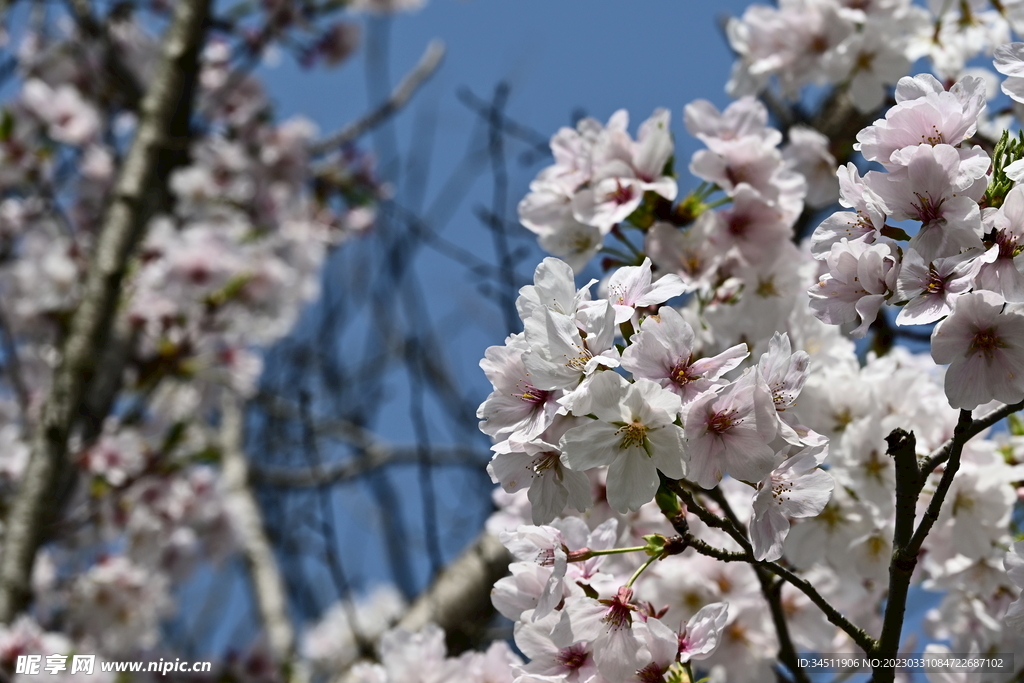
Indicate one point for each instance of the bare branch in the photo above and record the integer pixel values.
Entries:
(859, 635)
(408, 86)
(267, 584)
(906, 547)
(374, 457)
(462, 592)
(121, 76)
(164, 116)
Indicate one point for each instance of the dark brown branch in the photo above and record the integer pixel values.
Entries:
(859, 635)
(906, 547)
(461, 594)
(164, 116)
(12, 366)
(772, 591)
(121, 76)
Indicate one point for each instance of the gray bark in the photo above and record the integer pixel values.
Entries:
(160, 143)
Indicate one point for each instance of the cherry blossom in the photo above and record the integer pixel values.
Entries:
(664, 351)
(796, 488)
(729, 432)
(634, 436)
(981, 343)
(931, 289)
(631, 288)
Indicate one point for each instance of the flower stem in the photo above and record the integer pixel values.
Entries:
(640, 570)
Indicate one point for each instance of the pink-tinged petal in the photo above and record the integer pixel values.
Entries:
(606, 390)
(969, 385)
(582, 620)
(665, 186)
(716, 366)
(1015, 615)
(547, 498)
(704, 632)
(768, 527)
(620, 654)
(667, 452)
(1013, 563)
(923, 310)
(578, 486)
(747, 457)
(662, 290)
(867, 308)
(590, 445)
(662, 642)
(632, 480)
(1009, 59)
(809, 495)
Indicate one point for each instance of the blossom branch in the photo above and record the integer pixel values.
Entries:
(857, 634)
(406, 88)
(121, 75)
(165, 114)
(772, 591)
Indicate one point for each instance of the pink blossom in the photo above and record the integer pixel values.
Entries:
(984, 348)
(931, 289)
(796, 488)
(1002, 273)
(924, 115)
(630, 288)
(608, 625)
(634, 435)
(664, 351)
(863, 225)
(1009, 61)
(934, 186)
(699, 638)
(729, 433)
(860, 278)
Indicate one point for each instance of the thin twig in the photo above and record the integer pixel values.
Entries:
(329, 532)
(858, 634)
(941, 454)
(406, 88)
(373, 459)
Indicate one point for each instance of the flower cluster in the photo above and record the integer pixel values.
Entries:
(864, 46)
(959, 267)
(700, 381)
(239, 233)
